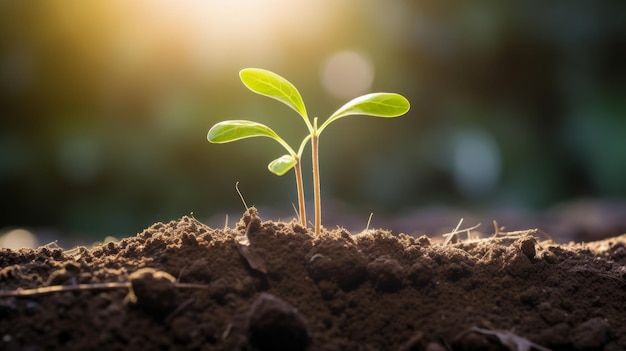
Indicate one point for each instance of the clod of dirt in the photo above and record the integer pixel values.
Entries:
(386, 273)
(153, 291)
(551, 314)
(457, 271)
(591, 335)
(66, 274)
(421, 272)
(343, 265)
(198, 271)
(519, 258)
(273, 324)
(558, 336)
(527, 246)
(251, 222)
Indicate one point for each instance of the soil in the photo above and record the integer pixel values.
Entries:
(274, 286)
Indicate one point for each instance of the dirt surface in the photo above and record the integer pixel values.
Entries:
(273, 286)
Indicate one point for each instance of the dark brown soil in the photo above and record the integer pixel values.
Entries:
(288, 290)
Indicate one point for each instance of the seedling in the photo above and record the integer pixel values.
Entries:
(272, 85)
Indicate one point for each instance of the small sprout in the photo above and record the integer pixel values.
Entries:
(272, 85)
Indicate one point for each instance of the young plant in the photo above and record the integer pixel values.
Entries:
(272, 85)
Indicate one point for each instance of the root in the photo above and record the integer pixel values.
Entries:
(60, 288)
(517, 234)
(97, 286)
(511, 340)
(82, 287)
(241, 197)
(498, 235)
(457, 231)
(369, 220)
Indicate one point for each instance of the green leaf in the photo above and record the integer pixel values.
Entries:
(272, 85)
(227, 131)
(376, 104)
(282, 164)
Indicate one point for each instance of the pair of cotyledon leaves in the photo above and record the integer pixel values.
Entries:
(272, 85)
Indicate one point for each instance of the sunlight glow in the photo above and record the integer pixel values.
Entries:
(134, 40)
(223, 32)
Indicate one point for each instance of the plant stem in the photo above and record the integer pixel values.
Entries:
(316, 177)
(298, 170)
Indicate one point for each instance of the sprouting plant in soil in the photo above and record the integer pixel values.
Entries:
(272, 85)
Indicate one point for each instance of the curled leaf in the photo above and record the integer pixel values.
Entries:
(282, 164)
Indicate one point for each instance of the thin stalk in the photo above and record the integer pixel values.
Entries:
(298, 170)
(316, 177)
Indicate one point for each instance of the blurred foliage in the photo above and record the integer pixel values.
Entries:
(105, 105)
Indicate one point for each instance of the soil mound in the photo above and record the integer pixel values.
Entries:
(273, 286)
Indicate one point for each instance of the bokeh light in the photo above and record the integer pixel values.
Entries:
(475, 163)
(347, 74)
(18, 239)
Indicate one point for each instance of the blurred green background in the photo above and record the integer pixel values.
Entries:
(105, 106)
